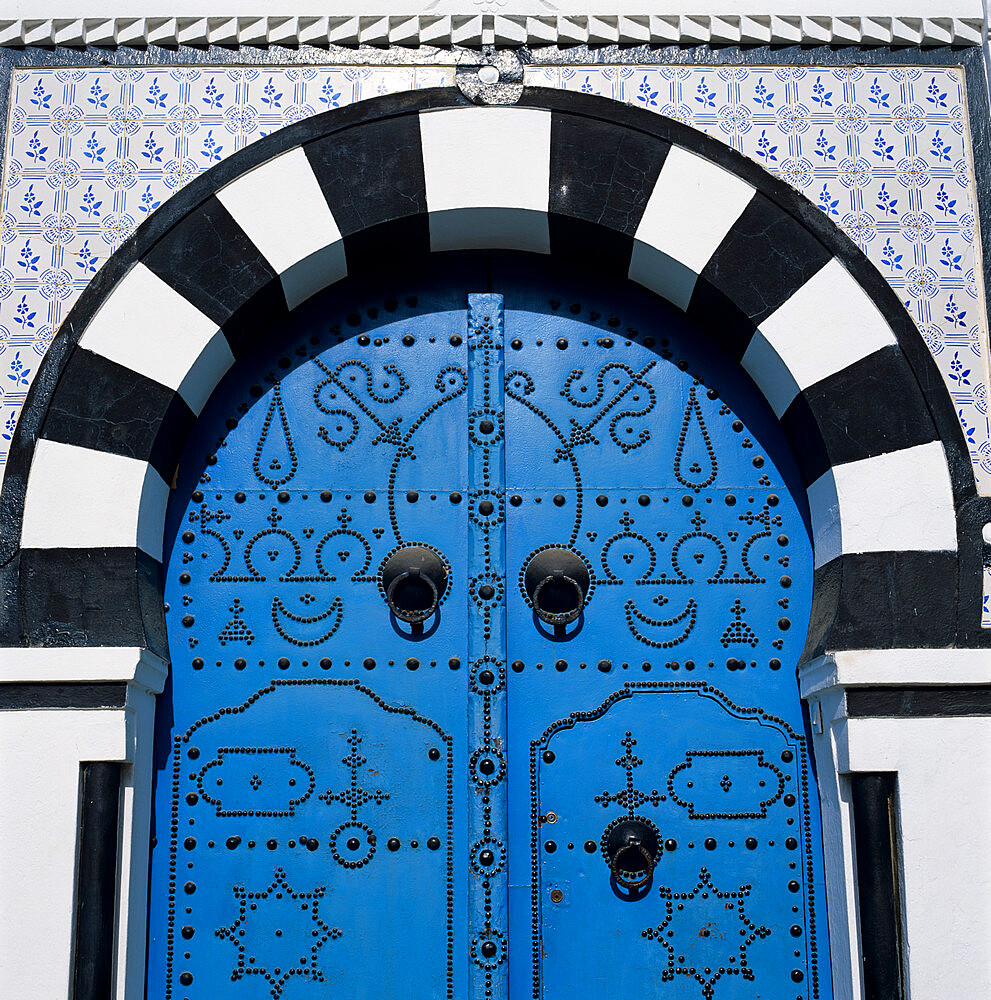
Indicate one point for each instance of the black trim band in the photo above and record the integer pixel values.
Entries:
(104, 406)
(209, 260)
(26, 695)
(92, 597)
(825, 422)
(885, 600)
(918, 702)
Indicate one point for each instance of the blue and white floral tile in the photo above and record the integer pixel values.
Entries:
(986, 611)
(433, 76)
(91, 152)
(583, 80)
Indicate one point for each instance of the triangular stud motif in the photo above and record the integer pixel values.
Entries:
(738, 631)
(236, 630)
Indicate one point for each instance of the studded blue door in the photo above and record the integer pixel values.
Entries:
(484, 609)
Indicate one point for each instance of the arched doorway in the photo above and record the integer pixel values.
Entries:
(486, 588)
(394, 180)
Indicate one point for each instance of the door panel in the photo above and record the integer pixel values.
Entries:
(305, 795)
(485, 803)
(718, 917)
(671, 701)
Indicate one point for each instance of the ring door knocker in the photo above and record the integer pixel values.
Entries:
(414, 580)
(632, 847)
(557, 582)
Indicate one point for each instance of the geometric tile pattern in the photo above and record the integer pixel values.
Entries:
(883, 151)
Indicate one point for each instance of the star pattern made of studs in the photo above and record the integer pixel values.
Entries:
(700, 930)
(262, 947)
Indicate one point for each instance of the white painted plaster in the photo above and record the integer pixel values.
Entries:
(66, 501)
(898, 501)
(606, 11)
(476, 160)
(945, 825)
(691, 209)
(92, 664)
(135, 831)
(282, 209)
(877, 667)
(54, 743)
(489, 228)
(944, 819)
(148, 326)
(826, 326)
(538, 27)
(39, 795)
(838, 854)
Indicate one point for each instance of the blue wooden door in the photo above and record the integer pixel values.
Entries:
(484, 609)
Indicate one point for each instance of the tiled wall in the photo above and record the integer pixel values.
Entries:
(884, 152)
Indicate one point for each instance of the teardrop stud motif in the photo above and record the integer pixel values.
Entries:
(695, 435)
(275, 460)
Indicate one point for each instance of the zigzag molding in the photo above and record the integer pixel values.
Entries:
(492, 29)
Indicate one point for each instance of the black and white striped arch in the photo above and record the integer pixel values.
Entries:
(627, 192)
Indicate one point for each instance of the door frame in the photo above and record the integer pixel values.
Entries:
(593, 183)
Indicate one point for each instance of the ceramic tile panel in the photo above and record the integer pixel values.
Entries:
(885, 153)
